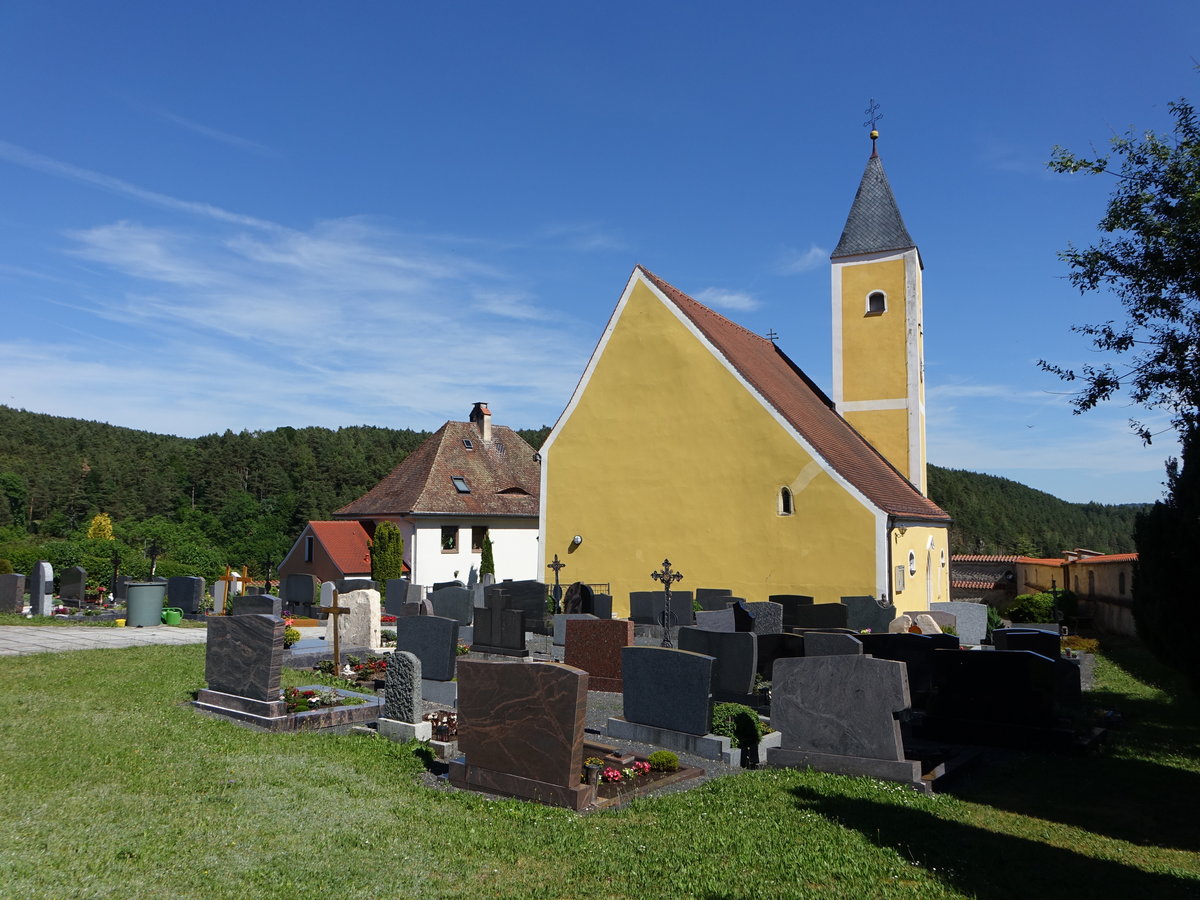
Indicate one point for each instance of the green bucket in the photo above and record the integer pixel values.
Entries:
(172, 615)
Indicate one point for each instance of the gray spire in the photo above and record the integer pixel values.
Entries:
(874, 224)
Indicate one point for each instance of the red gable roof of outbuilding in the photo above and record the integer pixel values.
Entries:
(346, 543)
(805, 407)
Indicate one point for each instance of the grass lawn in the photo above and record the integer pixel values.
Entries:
(111, 786)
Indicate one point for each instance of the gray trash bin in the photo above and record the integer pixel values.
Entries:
(144, 603)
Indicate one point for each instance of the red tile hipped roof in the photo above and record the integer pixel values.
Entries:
(806, 408)
(346, 543)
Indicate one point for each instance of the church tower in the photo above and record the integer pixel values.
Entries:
(878, 351)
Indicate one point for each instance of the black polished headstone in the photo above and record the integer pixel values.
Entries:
(667, 688)
(1047, 643)
(777, 646)
(72, 584)
(431, 639)
(736, 655)
(646, 607)
(820, 615)
(865, 613)
(498, 628)
(713, 598)
(454, 603)
(530, 598)
(186, 592)
(743, 616)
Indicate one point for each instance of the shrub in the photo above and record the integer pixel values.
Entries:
(290, 636)
(1032, 608)
(5, 567)
(663, 761)
(993, 620)
(1080, 644)
(388, 635)
(739, 723)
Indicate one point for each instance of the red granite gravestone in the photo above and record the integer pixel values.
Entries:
(594, 645)
(520, 728)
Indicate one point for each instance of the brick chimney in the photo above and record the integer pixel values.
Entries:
(481, 418)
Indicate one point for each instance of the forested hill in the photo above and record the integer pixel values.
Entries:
(247, 495)
(997, 515)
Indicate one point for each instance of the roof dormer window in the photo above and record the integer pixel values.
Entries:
(467, 443)
(460, 484)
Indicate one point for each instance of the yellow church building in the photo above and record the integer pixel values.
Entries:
(690, 437)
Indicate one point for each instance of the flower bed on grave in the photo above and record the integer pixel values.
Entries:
(625, 776)
(317, 706)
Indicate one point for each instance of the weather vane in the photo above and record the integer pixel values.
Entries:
(873, 117)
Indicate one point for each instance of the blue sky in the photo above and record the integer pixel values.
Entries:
(232, 215)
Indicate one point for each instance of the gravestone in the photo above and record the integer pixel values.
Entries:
(715, 619)
(499, 628)
(996, 697)
(646, 607)
(186, 592)
(433, 640)
(832, 643)
(402, 687)
(901, 624)
(777, 646)
(594, 645)
(472, 578)
(743, 615)
(258, 605)
(12, 593)
(560, 625)
(711, 599)
(360, 626)
(820, 615)
(301, 592)
(243, 657)
(579, 599)
(399, 592)
(915, 651)
(254, 590)
(602, 606)
(527, 596)
(1046, 643)
(790, 603)
(839, 714)
(970, 619)
(346, 585)
(72, 584)
(667, 688)
(453, 603)
(120, 588)
(417, 608)
(940, 616)
(866, 613)
(736, 660)
(41, 589)
(438, 585)
(768, 617)
(520, 728)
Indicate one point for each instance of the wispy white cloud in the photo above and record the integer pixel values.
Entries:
(795, 261)
(45, 164)
(584, 238)
(725, 299)
(215, 134)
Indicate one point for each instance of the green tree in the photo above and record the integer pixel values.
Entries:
(487, 564)
(1149, 261)
(387, 554)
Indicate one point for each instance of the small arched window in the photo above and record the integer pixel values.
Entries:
(786, 507)
(912, 563)
(876, 303)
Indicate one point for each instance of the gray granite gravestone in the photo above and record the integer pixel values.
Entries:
(300, 592)
(402, 687)
(12, 593)
(768, 617)
(736, 659)
(646, 607)
(790, 603)
(399, 592)
(41, 589)
(602, 606)
(839, 714)
(970, 620)
(498, 628)
(530, 598)
(244, 655)
(866, 613)
(454, 603)
(831, 643)
(711, 599)
(257, 605)
(417, 608)
(666, 688)
(186, 592)
(715, 619)
(72, 584)
(431, 639)
(820, 615)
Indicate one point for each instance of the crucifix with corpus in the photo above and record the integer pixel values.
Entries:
(668, 578)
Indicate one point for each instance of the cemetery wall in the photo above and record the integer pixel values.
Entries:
(664, 452)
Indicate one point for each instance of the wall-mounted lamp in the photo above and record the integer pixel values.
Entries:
(577, 540)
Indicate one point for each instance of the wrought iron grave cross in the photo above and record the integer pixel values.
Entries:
(557, 566)
(667, 577)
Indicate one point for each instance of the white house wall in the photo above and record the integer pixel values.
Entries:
(514, 550)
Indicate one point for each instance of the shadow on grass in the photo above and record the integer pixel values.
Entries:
(987, 864)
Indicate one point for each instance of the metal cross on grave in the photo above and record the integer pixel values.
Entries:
(152, 551)
(667, 577)
(557, 566)
(334, 610)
